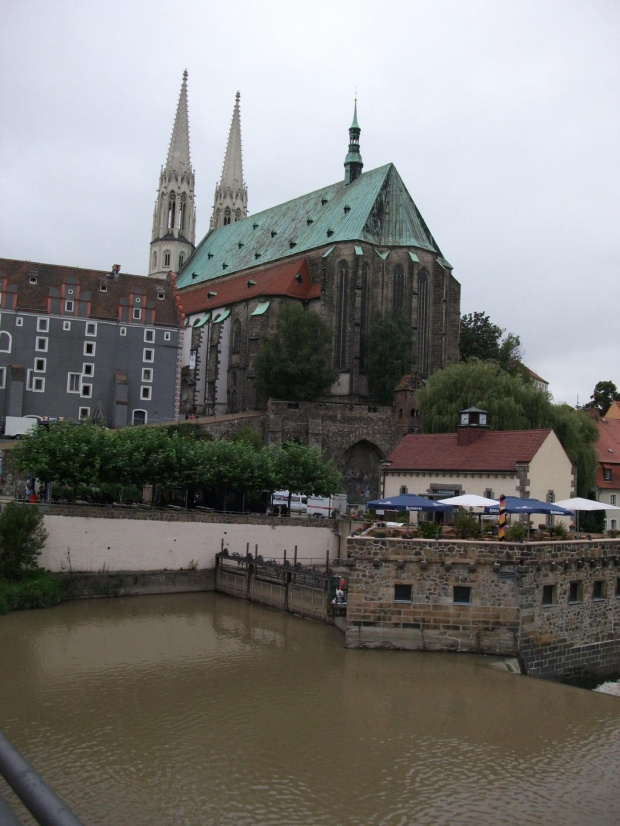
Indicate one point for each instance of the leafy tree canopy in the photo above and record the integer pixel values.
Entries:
(604, 395)
(22, 536)
(301, 469)
(483, 340)
(293, 361)
(389, 356)
(512, 404)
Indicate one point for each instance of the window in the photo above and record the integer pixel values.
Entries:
(607, 474)
(618, 587)
(181, 259)
(166, 336)
(423, 316)
(91, 328)
(19, 322)
(161, 295)
(574, 592)
(84, 413)
(236, 336)
(598, 589)
(2, 377)
(41, 344)
(149, 336)
(39, 365)
(167, 258)
(145, 393)
(548, 595)
(69, 305)
(89, 348)
(33, 279)
(87, 391)
(43, 325)
(37, 383)
(138, 417)
(403, 490)
(489, 493)
(342, 292)
(88, 369)
(612, 498)
(461, 595)
(123, 331)
(6, 342)
(613, 524)
(73, 382)
(398, 287)
(137, 314)
(154, 260)
(66, 325)
(402, 593)
(148, 354)
(103, 288)
(227, 215)
(147, 374)
(364, 318)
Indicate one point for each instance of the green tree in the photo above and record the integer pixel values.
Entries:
(604, 395)
(301, 469)
(22, 536)
(512, 403)
(247, 435)
(389, 356)
(481, 339)
(293, 361)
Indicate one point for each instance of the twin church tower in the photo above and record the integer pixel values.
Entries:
(174, 217)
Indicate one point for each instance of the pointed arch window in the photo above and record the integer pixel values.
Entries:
(236, 336)
(166, 258)
(172, 205)
(154, 266)
(342, 294)
(227, 216)
(364, 317)
(181, 259)
(182, 211)
(423, 322)
(398, 288)
(237, 215)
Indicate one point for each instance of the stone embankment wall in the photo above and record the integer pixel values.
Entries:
(89, 539)
(537, 601)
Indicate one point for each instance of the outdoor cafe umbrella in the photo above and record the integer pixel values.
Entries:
(516, 505)
(407, 502)
(469, 500)
(578, 503)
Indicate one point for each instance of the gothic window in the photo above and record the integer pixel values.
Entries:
(167, 258)
(398, 288)
(227, 216)
(423, 322)
(171, 210)
(181, 259)
(364, 318)
(154, 259)
(237, 215)
(182, 211)
(342, 288)
(236, 336)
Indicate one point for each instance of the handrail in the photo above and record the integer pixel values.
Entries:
(31, 789)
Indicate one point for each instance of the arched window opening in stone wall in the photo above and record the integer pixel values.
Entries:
(398, 288)
(364, 316)
(227, 216)
(236, 336)
(340, 351)
(172, 205)
(182, 211)
(423, 322)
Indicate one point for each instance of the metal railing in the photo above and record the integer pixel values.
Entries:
(44, 804)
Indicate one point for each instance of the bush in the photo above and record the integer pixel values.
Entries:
(465, 525)
(37, 589)
(516, 532)
(22, 536)
(558, 531)
(429, 530)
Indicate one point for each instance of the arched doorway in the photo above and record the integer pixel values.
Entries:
(361, 471)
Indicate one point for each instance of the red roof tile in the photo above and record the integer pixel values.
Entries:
(608, 452)
(276, 280)
(493, 451)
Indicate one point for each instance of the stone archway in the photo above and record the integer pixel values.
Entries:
(361, 471)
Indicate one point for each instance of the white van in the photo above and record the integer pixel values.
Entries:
(299, 503)
(325, 506)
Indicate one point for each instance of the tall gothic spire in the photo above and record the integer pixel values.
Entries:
(231, 195)
(174, 216)
(178, 152)
(353, 163)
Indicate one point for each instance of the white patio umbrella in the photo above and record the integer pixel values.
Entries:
(469, 500)
(578, 503)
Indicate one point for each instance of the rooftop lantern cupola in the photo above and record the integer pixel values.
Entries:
(353, 163)
(472, 425)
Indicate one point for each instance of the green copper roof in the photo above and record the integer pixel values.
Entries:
(375, 208)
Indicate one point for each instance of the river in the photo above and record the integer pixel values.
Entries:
(201, 709)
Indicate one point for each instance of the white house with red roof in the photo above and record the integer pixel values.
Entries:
(477, 460)
(608, 475)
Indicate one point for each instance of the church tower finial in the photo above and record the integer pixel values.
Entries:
(174, 216)
(231, 194)
(353, 163)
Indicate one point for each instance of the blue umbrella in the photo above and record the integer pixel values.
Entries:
(407, 502)
(516, 505)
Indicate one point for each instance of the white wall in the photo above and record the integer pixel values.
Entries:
(89, 544)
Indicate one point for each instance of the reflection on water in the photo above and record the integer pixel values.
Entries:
(201, 709)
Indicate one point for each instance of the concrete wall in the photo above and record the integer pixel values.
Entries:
(127, 540)
(505, 614)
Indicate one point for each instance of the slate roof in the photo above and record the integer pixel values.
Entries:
(375, 208)
(608, 453)
(493, 452)
(104, 305)
(292, 279)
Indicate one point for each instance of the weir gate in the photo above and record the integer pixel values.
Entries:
(306, 590)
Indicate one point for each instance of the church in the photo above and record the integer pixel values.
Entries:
(351, 251)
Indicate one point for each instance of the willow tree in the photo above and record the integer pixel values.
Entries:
(389, 355)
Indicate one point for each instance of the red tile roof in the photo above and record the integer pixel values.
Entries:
(277, 280)
(608, 453)
(494, 451)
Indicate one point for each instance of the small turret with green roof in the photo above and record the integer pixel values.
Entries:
(353, 163)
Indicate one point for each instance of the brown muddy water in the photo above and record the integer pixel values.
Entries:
(202, 709)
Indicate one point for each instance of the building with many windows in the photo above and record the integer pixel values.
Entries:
(608, 474)
(78, 344)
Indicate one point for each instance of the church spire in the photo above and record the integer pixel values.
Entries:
(174, 216)
(353, 163)
(231, 195)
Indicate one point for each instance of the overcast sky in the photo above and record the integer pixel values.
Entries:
(502, 118)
